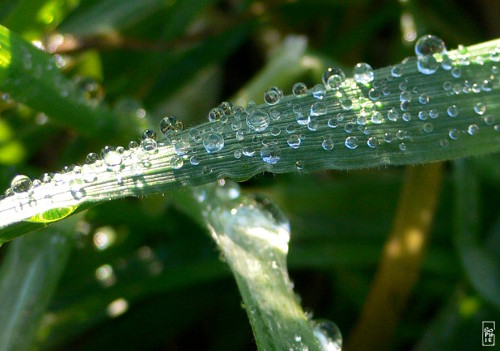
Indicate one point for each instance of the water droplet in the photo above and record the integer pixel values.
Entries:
(88, 173)
(333, 77)
(428, 127)
(473, 129)
(168, 123)
(333, 123)
(452, 111)
(258, 120)
(444, 143)
(239, 135)
(392, 115)
(351, 142)
(215, 115)
(318, 109)
(213, 142)
(402, 146)
(489, 120)
(433, 114)
(20, 184)
(299, 89)
(303, 118)
(273, 95)
(113, 160)
(388, 137)
(405, 96)
(294, 141)
(318, 91)
(423, 99)
(148, 134)
(447, 64)
(427, 64)
(327, 143)
(227, 108)
(91, 158)
(346, 104)
(328, 335)
(429, 45)
(194, 160)
(176, 162)
(149, 145)
(456, 72)
(275, 131)
(397, 71)
(377, 117)
(363, 73)
(487, 85)
(480, 108)
(182, 147)
(313, 125)
(270, 154)
(372, 142)
(422, 115)
(453, 134)
(406, 116)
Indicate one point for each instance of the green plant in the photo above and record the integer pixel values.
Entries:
(438, 106)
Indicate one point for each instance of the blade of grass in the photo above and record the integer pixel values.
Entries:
(155, 167)
(28, 277)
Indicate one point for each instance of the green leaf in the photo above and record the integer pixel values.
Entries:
(28, 277)
(31, 77)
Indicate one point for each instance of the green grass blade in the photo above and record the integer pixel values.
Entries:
(253, 238)
(31, 77)
(28, 277)
(366, 135)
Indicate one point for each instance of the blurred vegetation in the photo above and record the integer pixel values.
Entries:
(143, 275)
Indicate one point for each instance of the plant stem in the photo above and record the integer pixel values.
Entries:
(401, 260)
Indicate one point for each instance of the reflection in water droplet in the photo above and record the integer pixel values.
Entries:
(328, 335)
(428, 45)
(363, 73)
(20, 184)
(299, 89)
(258, 120)
(213, 142)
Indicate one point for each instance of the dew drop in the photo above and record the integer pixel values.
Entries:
(433, 114)
(452, 111)
(377, 117)
(346, 104)
(444, 143)
(149, 145)
(328, 335)
(182, 147)
(258, 120)
(294, 141)
(402, 146)
(428, 127)
(313, 125)
(303, 119)
(176, 162)
(473, 129)
(363, 73)
(91, 158)
(397, 71)
(351, 142)
(480, 108)
(113, 160)
(333, 123)
(213, 142)
(423, 99)
(318, 109)
(406, 116)
(392, 115)
(215, 114)
(427, 64)
(372, 142)
(456, 72)
(333, 77)
(273, 95)
(149, 134)
(429, 45)
(194, 160)
(422, 115)
(318, 91)
(20, 184)
(489, 120)
(270, 154)
(388, 137)
(327, 143)
(167, 124)
(453, 134)
(299, 89)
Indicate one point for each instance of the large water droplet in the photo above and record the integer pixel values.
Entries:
(270, 154)
(327, 143)
(480, 108)
(299, 89)
(258, 120)
(318, 91)
(328, 335)
(273, 95)
(20, 184)
(473, 129)
(293, 141)
(333, 77)
(318, 109)
(429, 45)
(213, 142)
(452, 111)
(363, 73)
(427, 64)
(113, 160)
(351, 142)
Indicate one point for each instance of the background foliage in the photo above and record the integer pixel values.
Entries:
(151, 259)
